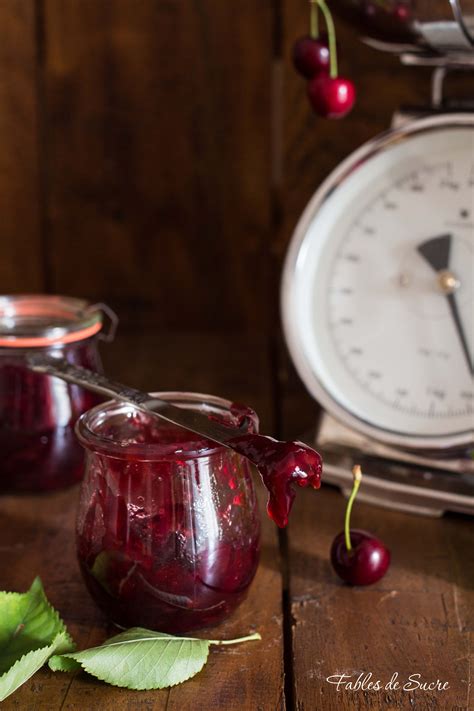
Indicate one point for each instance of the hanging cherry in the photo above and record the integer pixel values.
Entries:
(311, 56)
(311, 53)
(401, 12)
(315, 58)
(331, 97)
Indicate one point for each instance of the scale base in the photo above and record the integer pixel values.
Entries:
(394, 479)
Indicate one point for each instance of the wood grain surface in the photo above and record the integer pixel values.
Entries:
(158, 145)
(21, 247)
(37, 535)
(37, 538)
(418, 619)
(157, 155)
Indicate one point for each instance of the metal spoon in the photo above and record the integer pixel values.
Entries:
(90, 380)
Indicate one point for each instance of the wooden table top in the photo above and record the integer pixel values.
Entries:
(419, 619)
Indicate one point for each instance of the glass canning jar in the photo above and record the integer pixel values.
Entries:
(168, 531)
(39, 451)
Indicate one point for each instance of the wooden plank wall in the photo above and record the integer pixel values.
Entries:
(21, 260)
(156, 154)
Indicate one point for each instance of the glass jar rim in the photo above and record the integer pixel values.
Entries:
(38, 320)
(87, 425)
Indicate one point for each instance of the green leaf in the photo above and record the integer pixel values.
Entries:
(30, 631)
(142, 659)
(29, 663)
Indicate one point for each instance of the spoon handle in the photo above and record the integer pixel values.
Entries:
(90, 380)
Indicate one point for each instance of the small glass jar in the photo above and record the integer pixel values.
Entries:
(168, 531)
(39, 451)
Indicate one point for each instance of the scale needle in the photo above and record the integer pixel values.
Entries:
(436, 251)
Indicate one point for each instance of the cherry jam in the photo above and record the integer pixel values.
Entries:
(168, 531)
(39, 451)
(282, 466)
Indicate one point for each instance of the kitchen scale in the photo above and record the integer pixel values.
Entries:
(378, 284)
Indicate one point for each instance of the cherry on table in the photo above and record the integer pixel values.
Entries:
(331, 97)
(358, 557)
(365, 563)
(311, 56)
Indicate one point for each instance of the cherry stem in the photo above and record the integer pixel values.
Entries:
(357, 474)
(314, 20)
(331, 36)
(248, 638)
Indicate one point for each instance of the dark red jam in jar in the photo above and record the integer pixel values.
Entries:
(39, 451)
(168, 528)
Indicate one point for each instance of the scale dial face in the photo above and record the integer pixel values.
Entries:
(378, 287)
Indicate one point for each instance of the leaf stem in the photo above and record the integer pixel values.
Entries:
(331, 36)
(314, 20)
(248, 638)
(357, 474)
(172, 638)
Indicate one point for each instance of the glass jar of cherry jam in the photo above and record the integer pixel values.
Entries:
(39, 451)
(168, 531)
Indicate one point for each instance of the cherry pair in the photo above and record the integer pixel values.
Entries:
(315, 58)
(400, 11)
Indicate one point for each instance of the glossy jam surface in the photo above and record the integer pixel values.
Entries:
(282, 465)
(170, 542)
(37, 418)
